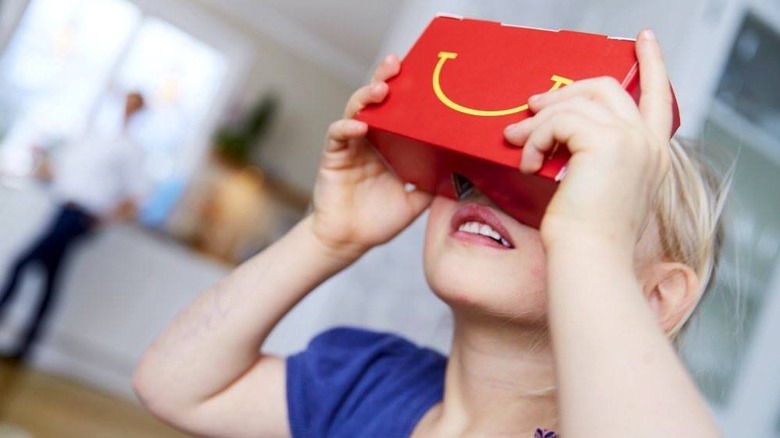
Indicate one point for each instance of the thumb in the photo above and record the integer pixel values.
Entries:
(419, 201)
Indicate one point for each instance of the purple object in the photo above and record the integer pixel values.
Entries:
(544, 433)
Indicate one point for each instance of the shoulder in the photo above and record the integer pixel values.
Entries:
(356, 339)
(350, 377)
(344, 353)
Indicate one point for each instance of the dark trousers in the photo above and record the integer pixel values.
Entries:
(70, 224)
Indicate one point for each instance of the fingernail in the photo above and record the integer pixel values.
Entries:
(534, 98)
(510, 127)
(649, 34)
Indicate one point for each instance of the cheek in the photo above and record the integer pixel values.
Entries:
(537, 276)
(537, 261)
(438, 225)
(440, 212)
(537, 271)
(539, 266)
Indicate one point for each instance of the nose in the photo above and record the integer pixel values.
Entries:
(463, 186)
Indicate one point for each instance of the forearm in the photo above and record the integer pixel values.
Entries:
(217, 338)
(618, 374)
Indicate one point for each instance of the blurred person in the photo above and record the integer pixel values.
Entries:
(98, 180)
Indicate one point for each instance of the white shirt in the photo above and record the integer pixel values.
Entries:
(98, 172)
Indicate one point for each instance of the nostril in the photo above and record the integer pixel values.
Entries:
(463, 186)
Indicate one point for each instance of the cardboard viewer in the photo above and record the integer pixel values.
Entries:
(441, 125)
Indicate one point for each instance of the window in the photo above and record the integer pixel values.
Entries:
(53, 72)
(745, 119)
(66, 73)
(751, 84)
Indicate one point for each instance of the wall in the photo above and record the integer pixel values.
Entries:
(551, 14)
(311, 96)
(311, 100)
(10, 13)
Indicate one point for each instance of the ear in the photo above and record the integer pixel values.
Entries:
(672, 290)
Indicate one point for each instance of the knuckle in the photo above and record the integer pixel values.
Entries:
(568, 117)
(378, 72)
(534, 141)
(577, 104)
(354, 97)
(361, 93)
(608, 83)
(334, 127)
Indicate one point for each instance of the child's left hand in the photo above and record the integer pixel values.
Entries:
(619, 151)
(358, 201)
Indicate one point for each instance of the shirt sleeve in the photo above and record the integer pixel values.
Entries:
(345, 373)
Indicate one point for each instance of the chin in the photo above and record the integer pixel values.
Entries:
(479, 260)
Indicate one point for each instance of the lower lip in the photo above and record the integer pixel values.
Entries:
(476, 239)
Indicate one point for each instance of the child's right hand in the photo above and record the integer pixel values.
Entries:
(620, 152)
(358, 202)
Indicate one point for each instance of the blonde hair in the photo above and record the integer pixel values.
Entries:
(690, 207)
(689, 213)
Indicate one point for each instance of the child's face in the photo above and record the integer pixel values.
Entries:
(501, 274)
(479, 259)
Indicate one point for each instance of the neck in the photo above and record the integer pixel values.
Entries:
(500, 379)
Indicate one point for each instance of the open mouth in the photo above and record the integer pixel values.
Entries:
(475, 223)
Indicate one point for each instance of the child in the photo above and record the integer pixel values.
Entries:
(565, 328)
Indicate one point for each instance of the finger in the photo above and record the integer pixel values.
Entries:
(518, 133)
(655, 103)
(342, 131)
(562, 129)
(389, 67)
(419, 201)
(365, 96)
(606, 90)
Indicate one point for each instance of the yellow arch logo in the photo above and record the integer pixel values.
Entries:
(558, 82)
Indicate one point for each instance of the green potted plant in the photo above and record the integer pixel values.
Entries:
(235, 143)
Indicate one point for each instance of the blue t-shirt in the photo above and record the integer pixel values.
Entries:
(358, 383)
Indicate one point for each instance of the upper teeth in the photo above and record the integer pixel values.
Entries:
(483, 230)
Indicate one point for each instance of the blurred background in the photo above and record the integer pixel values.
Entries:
(238, 96)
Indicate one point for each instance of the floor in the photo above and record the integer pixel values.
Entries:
(38, 405)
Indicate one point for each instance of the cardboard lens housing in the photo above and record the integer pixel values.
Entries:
(462, 83)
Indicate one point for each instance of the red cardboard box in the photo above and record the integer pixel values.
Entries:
(462, 83)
